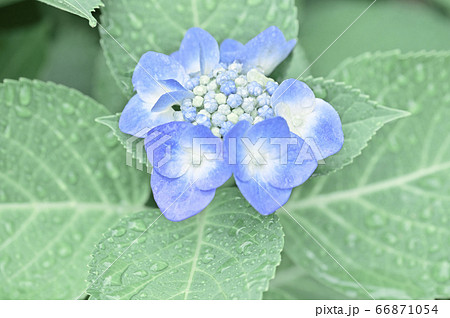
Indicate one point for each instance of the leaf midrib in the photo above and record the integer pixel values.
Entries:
(372, 188)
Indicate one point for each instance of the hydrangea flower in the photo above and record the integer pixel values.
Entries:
(224, 97)
(183, 181)
(270, 161)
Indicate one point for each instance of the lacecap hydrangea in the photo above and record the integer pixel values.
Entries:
(207, 112)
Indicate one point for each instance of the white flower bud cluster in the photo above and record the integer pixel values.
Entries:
(227, 96)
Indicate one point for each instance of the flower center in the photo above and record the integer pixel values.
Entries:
(226, 96)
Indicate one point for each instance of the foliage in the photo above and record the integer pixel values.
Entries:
(77, 221)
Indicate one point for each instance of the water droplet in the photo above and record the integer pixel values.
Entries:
(65, 250)
(135, 21)
(4, 260)
(72, 177)
(441, 272)
(270, 16)
(284, 4)
(118, 231)
(138, 225)
(141, 273)
(375, 220)
(68, 108)
(320, 92)
(48, 262)
(209, 4)
(420, 73)
(110, 139)
(25, 95)
(253, 2)
(77, 237)
(62, 120)
(74, 137)
(141, 239)
(7, 132)
(244, 246)
(159, 266)
(23, 112)
(9, 95)
(113, 172)
(208, 258)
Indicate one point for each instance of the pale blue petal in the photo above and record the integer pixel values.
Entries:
(293, 93)
(214, 169)
(230, 51)
(275, 127)
(169, 99)
(323, 128)
(176, 56)
(262, 196)
(199, 52)
(151, 72)
(267, 50)
(164, 151)
(137, 118)
(179, 199)
(293, 170)
(235, 150)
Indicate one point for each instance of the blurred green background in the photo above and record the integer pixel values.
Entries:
(38, 41)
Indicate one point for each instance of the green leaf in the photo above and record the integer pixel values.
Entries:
(387, 25)
(141, 26)
(385, 218)
(82, 8)
(7, 2)
(444, 3)
(105, 89)
(135, 148)
(24, 49)
(294, 66)
(228, 251)
(63, 181)
(292, 282)
(361, 118)
(71, 53)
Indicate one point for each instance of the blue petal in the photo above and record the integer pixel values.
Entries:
(199, 52)
(230, 51)
(176, 56)
(137, 118)
(267, 50)
(164, 151)
(295, 168)
(151, 72)
(292, 92)
(260, 135)
(275, 127)
(262, 196)
(169, 99)
(323, 129)
(179, 198)
(212, 170)
(170, 149)
(235, 150)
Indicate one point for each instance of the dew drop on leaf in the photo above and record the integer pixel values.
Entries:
(159, 266)
(23, 112)
(119, 231)
(25, 95)
(65, 250)
(138, 225)
(68, 108)
(135, 21)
